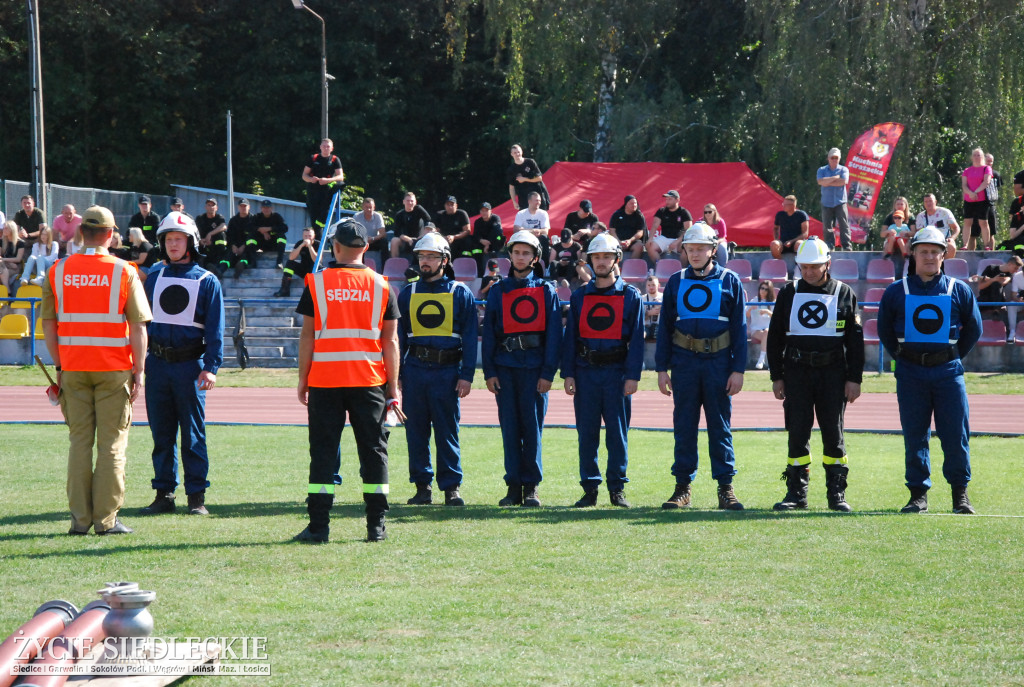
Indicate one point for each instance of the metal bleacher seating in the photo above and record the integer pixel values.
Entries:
(741, 266)
(666, 267)
(880, 271)
(845, 270)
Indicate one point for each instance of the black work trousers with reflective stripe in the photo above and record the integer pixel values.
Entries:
(810, 391)
(366, 409)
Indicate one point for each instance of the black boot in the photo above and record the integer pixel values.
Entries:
(797, 478)
(514, 497)
(376, 508)
(319, 508)
(962, 504)
(918, 502)
(423, 496)
(453, 498)
(617, 498)
(588, 499)
(530, 498)
(239, 268)
(286, 287)
(835, 486)
(280, 256)
(680, 497)
(163, 503)
(197, 503)
(727, 499)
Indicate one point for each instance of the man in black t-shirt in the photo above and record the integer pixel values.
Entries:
(146, 220)
(668, 227)
(453, 224)
(239, 230)
(300, 261)
(630, 226)
(565, 257)
(488, 234)
(28, 219)
(581, 223)
(1018, 184)
(791, 228)
(269, 234)
(324, 176)
(408, 226)
(524, 178)
(213, 238)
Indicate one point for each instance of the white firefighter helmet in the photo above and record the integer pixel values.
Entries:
(179, 221)
(605, 243)
(526, 237)
(433, 243)
(699, 232)
(813, 251)
(928, 235)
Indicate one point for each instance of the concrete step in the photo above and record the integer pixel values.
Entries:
(264, 332)
(284, 321)
(232, 362)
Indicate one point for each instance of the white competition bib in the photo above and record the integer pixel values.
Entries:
(814, 314)
(174, 300)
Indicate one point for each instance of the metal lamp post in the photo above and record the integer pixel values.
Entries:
(324, 76)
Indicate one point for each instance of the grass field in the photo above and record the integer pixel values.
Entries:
(550, 596)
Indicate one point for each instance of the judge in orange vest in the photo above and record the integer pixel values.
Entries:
(348, 365)
(94, 315)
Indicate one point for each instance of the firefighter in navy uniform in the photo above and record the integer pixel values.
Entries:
(520, 345)
(816, 359)
(324, 177)
(602, 357)
(702, 341)
(348, 366)
(928, 322)
(186, 349)
(437, 338)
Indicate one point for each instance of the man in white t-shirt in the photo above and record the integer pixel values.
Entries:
(942, 219)
(373, 222)
(535, 221)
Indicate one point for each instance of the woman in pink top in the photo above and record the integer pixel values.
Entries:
(974, 181)
(715, 221)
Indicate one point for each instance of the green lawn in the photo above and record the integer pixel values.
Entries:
(755, 380)
(490, 596)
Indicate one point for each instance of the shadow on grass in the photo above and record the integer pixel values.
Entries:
(227, 510)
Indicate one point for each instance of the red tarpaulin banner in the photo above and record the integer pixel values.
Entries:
(868, 161)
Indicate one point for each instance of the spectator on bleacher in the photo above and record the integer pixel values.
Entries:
(239, 230)
(993, 195)
(651, 301)
(300, 260)
(941, 218)
(29, 218)
(524, 178)
(407, 226)
(488, 233)
(64, 226)
(44, 253)
(630, 226)
(668, 226)
(146, 220)
(792, 228)
(178, 205)
(116, 246)
(536, 221)
(758, 319)
(269, 234)
(376, 230)
(1015, 240)
(895, 237)
(903, 205)
(213, 239)
(75, 244)
(833, 178)
(565, 258)
(581, 223)
(994, 284)
(1017, 296)
(488, 280)
(453, 225)
(141, 252)
(974, 183)
(715, 221)
(12, 253)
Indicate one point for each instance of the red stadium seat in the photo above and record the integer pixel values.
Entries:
(957, 269)
(774, 271)
(872, 296)
(993, 333)
(465, 269)
(741, 266)
(564, 292)
(504, 265)
(982, 264)
(871, 331)
(634, 271)
(395, 268)
(666, 267)
(880, 271)
(845, 270)
(1019, 336)
(370, 262)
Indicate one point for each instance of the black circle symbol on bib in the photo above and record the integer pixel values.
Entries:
(430, 314)
(928, 319)
(174, 299)
(688, 299)
(601, 317)
(524, 310)
(812, 314)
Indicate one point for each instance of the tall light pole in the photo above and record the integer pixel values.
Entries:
(36, 77)
(324, 76)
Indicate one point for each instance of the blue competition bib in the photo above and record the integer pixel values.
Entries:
(926, 319)
(699, 299)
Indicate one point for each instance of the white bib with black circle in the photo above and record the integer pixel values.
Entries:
(175, 300)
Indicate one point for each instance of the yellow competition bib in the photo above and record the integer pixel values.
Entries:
(432, 314)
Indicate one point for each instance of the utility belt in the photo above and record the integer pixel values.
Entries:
(712, 345)
(438, 356)
(177, 355)
(607, 356)
(521, 342)
(933, 359)
(814, 358)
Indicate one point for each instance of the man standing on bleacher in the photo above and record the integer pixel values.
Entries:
(437, 339)
(94, 313)
(928, 322)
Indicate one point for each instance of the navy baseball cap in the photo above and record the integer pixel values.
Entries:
(350, 233)
(145, 199)
(267, 204)
(585, 205)
(177, 201)
(450, 199)
(485, 204)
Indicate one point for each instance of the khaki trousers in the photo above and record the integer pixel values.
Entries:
(98, 410)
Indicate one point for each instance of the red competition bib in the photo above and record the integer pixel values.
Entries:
(523, 311)
(601, 317)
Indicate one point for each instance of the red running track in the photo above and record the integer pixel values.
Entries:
(990, 414)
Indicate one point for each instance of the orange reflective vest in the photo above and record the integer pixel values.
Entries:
(349, 305)
(90, 293)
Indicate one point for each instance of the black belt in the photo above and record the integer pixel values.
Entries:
(814, 358)
(710, 345)
(928, 359)
(177, 355)
(438, 356)
(607, 356)
(522, 342)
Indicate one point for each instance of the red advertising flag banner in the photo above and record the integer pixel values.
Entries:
(868, 161)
